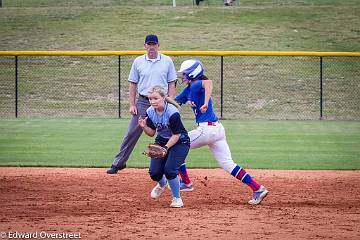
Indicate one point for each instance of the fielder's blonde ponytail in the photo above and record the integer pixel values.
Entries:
(173, 102)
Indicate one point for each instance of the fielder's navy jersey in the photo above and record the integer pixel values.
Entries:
(195, 93)
(167, 123)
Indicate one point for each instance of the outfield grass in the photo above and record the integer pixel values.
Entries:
(254, 144)
(274, 25)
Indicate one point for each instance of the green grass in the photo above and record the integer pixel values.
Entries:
(275, 25)
(254, 144)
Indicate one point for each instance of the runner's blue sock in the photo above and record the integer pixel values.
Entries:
(243, 176)
(175, 187)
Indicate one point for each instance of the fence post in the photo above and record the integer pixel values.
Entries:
(119, 88)
(321, 88)
(221, 86)
(16, 86)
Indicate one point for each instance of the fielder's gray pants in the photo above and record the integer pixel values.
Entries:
(133, 133)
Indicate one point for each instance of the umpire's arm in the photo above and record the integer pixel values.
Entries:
(132, 97)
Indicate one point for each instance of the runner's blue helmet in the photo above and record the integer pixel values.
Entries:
(193, 69)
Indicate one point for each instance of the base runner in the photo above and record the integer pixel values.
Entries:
(210, 132)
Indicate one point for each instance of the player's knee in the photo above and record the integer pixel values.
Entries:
(156, 175)
(171, 174)
(228, 165)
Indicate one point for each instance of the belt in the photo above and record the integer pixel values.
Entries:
(144, 97)
(208, 123)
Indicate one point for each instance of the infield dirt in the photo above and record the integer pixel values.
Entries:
(301, 205)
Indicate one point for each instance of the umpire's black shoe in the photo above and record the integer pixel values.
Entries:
(114, 170)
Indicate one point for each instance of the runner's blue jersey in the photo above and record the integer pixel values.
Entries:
(195, 92)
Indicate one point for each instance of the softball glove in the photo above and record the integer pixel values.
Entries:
(155, 151)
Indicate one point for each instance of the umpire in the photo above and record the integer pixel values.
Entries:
(148, 70)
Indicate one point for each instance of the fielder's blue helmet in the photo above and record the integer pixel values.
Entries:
(193, 69)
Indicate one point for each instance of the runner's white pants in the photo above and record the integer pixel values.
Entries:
(214, 137)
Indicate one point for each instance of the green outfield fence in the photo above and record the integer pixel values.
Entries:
(247, 84)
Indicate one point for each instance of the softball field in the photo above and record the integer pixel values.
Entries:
(88, 203)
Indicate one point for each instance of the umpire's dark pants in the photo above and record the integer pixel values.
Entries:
(133, 133)
(170, 164)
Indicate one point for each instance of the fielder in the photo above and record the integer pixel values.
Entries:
(210, 131)
(165, 120)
